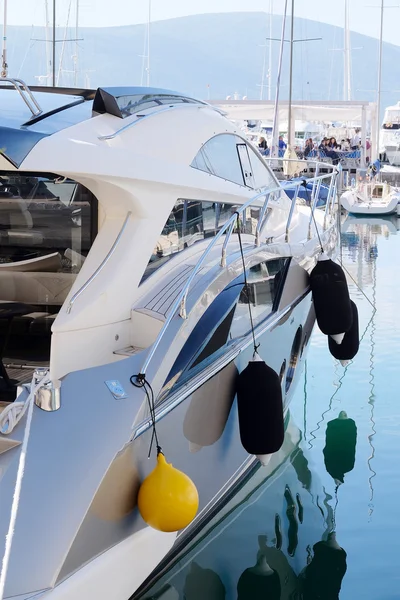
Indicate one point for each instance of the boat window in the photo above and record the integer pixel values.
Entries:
(47, 226)
(262, 175)
(191, 221)
(229, 157)
(228, 317)
(264, 286)
(219, 156)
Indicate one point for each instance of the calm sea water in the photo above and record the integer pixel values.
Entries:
(325, 523)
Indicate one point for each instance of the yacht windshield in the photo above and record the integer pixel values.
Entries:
(47, 226)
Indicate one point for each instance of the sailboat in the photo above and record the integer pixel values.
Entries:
(368, 196)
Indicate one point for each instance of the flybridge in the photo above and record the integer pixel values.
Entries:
(43, 111)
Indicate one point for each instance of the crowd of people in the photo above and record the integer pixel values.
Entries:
(327, 148)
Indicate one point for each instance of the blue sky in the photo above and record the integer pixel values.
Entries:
(364, 14)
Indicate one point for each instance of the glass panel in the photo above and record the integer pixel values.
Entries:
(191, 221)
(219, 157)
(209, 336)
(262, 175)
(47, 225)
(245, 163)
(264, 284)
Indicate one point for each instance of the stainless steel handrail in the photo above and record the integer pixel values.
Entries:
(317, 163)
(313, 207)
(23, 89)
(261, 219)
(288, 222)
(180, 301)
(101, 265)
(331, 197)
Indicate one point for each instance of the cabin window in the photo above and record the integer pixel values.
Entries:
(219, 156)
(231, 158)
(264, 289)
(47, 226)
(228, 317)
(191, 221)
(262, 175)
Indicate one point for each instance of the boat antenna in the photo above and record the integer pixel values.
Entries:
(4, 65)
(275, 128)
(378, 99)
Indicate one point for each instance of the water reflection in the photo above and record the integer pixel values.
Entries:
(267, 542)
(340, 447)
(322, 578)
(261, 581)
(203, 583)
(292, 532)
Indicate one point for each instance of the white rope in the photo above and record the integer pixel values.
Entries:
(11, 420)
(11, 416)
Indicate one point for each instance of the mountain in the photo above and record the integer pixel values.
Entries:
(224, 51)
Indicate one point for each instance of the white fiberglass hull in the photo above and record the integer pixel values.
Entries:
(379, 206)
(393, 155)
(114, 574)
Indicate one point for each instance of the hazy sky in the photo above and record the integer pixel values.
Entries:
(364, 14)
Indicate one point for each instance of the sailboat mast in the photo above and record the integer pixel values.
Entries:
(271, 10)
(347, 50)
(4, 65)
(291, 78)
(48, 60)
(54, 46)
(275, 128)
(148, 45)
(378, 99)
(263, 72)
(76, 44)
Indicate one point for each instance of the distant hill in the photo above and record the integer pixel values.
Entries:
(223, 51)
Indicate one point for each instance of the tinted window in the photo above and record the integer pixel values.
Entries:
(228, 317)
(49, 223)
(264, 286)
(219, 156)
(262, 176)
(191, 221)
(211, 333)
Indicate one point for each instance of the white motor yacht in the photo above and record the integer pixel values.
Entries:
(125, 218)
(389, 142)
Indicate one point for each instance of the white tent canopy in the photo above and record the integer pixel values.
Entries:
(307, 111)
(313, 111)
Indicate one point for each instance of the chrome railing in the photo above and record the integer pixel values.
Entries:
(228, 227)
(25, 94)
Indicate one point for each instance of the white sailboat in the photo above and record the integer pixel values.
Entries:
(368, 196)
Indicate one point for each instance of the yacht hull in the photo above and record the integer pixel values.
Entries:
(355, 206)
(216, 467)
(393, 155)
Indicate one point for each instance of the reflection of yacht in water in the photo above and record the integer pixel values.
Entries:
(382, 225)
(147, 279)
(259, 543)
